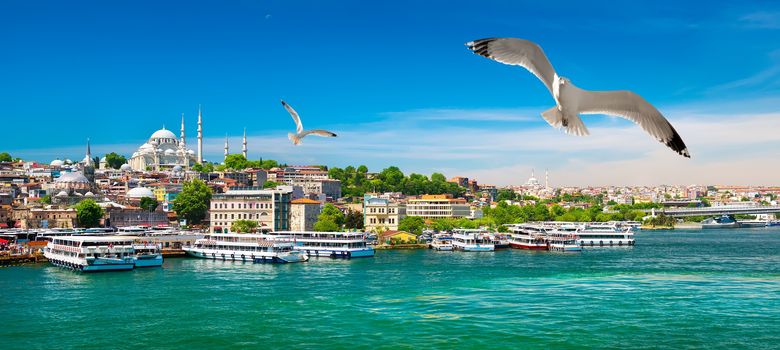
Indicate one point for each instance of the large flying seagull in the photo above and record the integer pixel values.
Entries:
(572, 101)
(299, 133)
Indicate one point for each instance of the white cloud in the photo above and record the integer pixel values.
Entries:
(761, 20)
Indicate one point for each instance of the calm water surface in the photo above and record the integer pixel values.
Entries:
(681, 289)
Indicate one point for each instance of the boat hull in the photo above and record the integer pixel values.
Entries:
(155, 261)
(86, 267)
(528, 246)
(244, 257)
(338, 253)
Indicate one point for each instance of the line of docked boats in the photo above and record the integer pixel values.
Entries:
(121, 251)
(537, 236)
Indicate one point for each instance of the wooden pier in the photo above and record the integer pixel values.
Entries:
(21, 259)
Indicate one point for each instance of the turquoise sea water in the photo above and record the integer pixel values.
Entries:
(681, 289)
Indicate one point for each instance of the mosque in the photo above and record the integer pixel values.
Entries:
(164, 151)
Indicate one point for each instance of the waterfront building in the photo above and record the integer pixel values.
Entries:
(381, 214)
(303, 214)
(433, 206)
(269, 208)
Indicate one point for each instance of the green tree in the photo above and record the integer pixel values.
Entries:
(271, 184)
(149, 204)
(46, 199)
(114, 160)
(88, 213)
(193, 201)
(330, 219)
(353, 220)
(203, 168)
(5, 157)
(243, 226)
(236, 162)
(412, 224)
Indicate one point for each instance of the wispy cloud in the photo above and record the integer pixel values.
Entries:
(766, 78)
(761, 20)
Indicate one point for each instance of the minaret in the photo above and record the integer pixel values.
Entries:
(226, 146)
(546, 178)
(243, 149)
(200, 136)
(183, 138)
(89, 153)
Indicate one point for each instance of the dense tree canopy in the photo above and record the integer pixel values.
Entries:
(88, 213)
(353, 220)
(5, 157)
(193, 201)
(412, 224)
(243, 226)
(114, 160)
(355, 182)
(330, 219)
(149, 204)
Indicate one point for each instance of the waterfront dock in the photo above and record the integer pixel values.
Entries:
(6, 260)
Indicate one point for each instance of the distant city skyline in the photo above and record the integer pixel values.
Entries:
(398, 86)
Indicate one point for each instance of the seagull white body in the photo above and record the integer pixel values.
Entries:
(572, 101)
(299, 132)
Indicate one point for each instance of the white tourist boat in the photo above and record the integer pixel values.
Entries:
(562, 241)
(442, 242)
(327, 244)
(604, 235)
(470, 240)
(529, 237)
(147, 255)
(130, 231)
(91, 253)
(245, 247)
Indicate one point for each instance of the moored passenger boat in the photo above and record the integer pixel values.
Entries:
(527, 237)
(147, 255)
(472, 241)
(91, 253)
(327, 244)
(724, 221)
(604, 235)
(562, 241)
(442, 242)
(245, 247)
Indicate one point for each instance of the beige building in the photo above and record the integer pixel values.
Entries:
(31, 218)
(433, 206)
(380, 214)
(269, 208)
(303, 214)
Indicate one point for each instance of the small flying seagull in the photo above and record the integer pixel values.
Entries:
(572, 101)
(299, 133)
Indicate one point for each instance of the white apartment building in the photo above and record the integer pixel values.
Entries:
(269, 208)
(433, 206)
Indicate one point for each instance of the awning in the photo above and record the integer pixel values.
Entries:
(3, 241)
(3, 225)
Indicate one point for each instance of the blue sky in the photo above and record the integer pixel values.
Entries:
(396, 82)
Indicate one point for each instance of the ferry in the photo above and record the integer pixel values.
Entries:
(442, 243)
(130, 231)
(472, 241)
(527, 237)
(245, 247)
(723, 221)
(753, 223)
(147, 255)
(500, 240)
(562, 241)
(607, 234)
(91, 253)
(345, 245)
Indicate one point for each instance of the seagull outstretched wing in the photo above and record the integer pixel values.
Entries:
(633, 107)
(318, 132)
(517, 52)
(296, 118)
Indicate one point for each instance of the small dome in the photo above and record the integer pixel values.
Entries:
(102, 160)
(170, 152)
(163, 134)
(135, 154)
(57, 162)
(125, 167)
(62, 194)
(71, 178)
(140, 192)
(190, 152)
(89, 194)
(68, 161)
(145, 147)
(177, 168)
(78, 194)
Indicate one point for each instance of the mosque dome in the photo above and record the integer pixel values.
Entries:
(89, 194)
(103, 159)
(57, 162)
(162, 134)
(140, 192)
(170, 152)
(61, 194)
(190, 152)
(177, 168)
(71, 178)
(125, 167)
(68, 161)
(145, 147)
